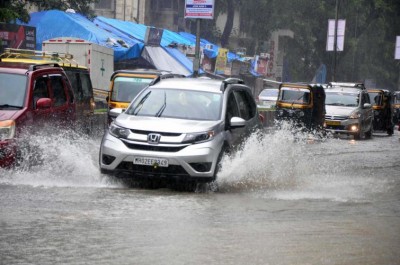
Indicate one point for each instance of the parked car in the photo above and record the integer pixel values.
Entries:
(126, 84)
(178, 129)
(348, 110)
(267, 98)
(78, 76)
(301, 104)
(31, 97)
(382, 104)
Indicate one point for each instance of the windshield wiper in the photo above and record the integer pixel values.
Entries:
(158, 114)
(10, 106)
(140, 104)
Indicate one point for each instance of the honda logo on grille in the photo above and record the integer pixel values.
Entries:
(153, 138)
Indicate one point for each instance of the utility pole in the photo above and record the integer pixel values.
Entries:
(196, 62)
(335, 42)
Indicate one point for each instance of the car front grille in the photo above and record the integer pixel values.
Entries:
(160, 133)
(336, 117)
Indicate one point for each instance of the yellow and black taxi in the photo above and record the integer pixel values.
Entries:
(301, 104)
(382, 104)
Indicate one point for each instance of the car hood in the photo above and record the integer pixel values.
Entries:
(160, 124)
(10, 114)
(339, 110)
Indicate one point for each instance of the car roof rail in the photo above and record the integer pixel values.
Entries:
(347, 84)
(34, 67)
(165, 76)
(230, 81)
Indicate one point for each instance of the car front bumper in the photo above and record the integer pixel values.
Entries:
(193, 161)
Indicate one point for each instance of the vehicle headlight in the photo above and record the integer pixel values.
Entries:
(301, 113)
(118, 131)
(355, 115)
(199, 137)
(7, 129)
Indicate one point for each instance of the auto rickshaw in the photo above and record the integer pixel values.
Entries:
(396, 107)
(382, 104)
(302, 104)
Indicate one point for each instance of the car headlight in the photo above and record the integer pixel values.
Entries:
(118, 131)
(7, 129)
(199, 137)
(355, 115)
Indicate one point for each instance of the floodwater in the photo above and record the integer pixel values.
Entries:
(279, 201)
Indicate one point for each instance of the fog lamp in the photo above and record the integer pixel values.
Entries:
(354, 128)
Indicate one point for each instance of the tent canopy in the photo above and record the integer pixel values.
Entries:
(55, 23)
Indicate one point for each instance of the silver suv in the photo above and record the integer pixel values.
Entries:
(348, 110)
(178, 129)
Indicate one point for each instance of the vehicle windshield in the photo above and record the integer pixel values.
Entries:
(375, 98)
(294, 95)
(126, 88)
(269, 93)
(12, 90)
(179, 104)
(341, 99)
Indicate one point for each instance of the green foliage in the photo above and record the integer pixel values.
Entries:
(371, 29)
(13, 10)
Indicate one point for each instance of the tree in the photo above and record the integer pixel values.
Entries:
(13, 10)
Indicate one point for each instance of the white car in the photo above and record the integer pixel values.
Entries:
(348, 110)
(178, 129)
(267, 98)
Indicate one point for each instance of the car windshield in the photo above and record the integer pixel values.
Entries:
(126, 88)
(294, 95)
(375, 98)
(341, 99)
(177, 103)
(12, 90)
(269, 93)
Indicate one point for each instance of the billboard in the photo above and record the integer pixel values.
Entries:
(199, 9)
(17, 36)
(339, 37)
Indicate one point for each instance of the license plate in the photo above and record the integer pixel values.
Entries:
(332, 122)
(151, 161)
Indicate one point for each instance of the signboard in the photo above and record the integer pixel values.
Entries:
(17, 36)
(199, 9)
(339, 37)
(220, 63)
(397, 51)
(153, 36)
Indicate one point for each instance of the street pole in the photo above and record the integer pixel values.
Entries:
(196, 62)
(335, 42)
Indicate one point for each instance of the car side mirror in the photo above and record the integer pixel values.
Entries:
(43, 103)
(115, 112)
(367, 106)
(237, 122)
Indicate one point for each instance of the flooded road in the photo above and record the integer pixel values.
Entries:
(280, 201)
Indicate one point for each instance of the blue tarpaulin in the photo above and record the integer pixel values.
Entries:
(55, 23)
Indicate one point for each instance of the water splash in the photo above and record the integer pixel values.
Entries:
(62, 158)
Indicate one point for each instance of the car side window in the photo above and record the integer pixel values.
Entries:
(87, 90)
(60, 98)
(247, 110)
(231, 109)
(40, 89)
